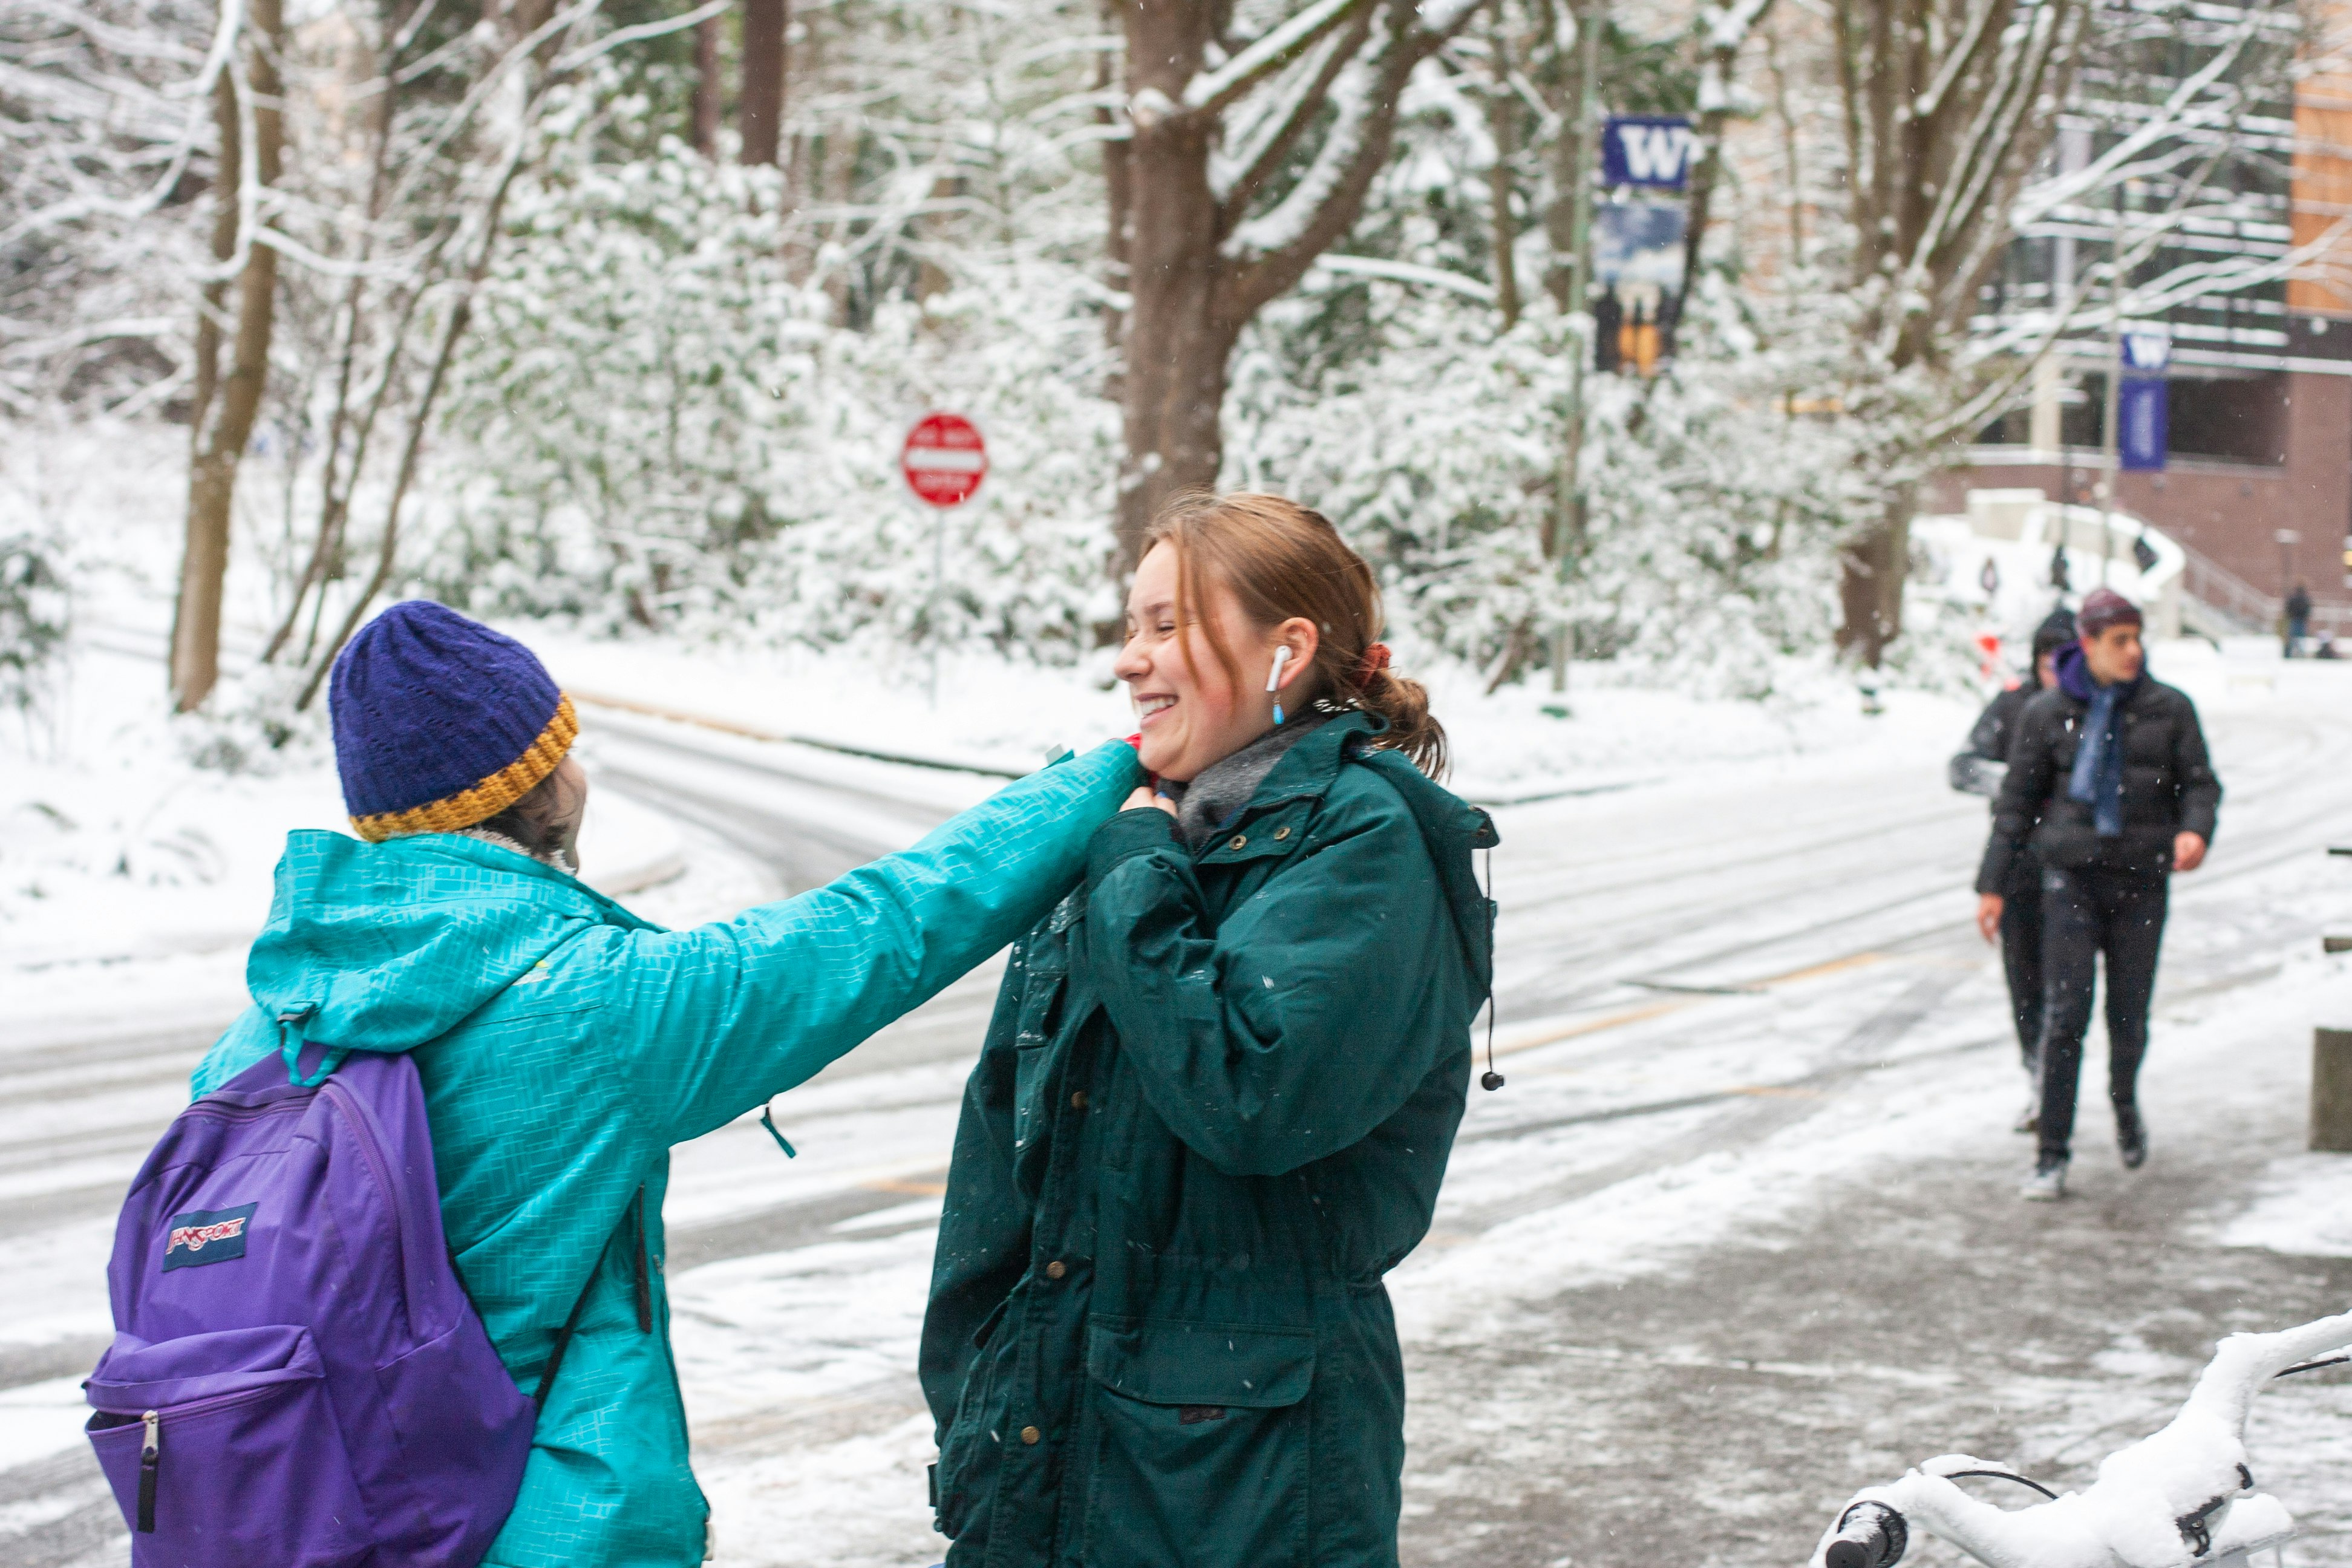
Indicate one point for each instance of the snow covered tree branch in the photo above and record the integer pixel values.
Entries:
(1220, 207)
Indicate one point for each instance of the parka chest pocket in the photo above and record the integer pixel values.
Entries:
(1200, 1443)
(1045, 961)
(1276, 834)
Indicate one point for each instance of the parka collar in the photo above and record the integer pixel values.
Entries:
(1307, 769)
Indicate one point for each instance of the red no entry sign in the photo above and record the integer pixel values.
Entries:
(944, 460)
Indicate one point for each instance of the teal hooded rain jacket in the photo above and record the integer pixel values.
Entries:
(565, 1045)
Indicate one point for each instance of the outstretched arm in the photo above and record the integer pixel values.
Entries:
(741, 1010)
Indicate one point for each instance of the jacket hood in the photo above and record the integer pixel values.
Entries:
(386, 946)
(1450, 825)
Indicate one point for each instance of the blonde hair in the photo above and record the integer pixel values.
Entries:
(1280, 560)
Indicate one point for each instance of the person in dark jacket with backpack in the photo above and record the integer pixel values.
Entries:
(1217, 1099)
(564, 1045)
(1987, 760)
(2110, 790)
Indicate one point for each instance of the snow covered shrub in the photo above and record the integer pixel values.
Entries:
(656, 424)
(36, 615)
(250, 726)
(1714, 509)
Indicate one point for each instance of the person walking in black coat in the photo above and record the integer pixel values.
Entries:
(2298, 618)
(2110, 784)
(1978, 770)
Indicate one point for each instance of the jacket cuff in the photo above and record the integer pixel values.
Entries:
(1992, 876)
(1126, 835)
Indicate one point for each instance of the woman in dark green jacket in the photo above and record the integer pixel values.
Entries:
(1216, 1100)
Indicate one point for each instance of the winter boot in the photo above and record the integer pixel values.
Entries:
(2131, 1136)
(2047, 1184)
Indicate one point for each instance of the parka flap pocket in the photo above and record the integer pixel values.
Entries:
(1276, 833)
(1243, 1366)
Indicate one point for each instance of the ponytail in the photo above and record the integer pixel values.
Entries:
(1413, 730)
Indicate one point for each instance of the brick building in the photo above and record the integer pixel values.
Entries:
(2258, 485)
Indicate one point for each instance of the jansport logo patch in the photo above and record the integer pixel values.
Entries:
(213, 1236)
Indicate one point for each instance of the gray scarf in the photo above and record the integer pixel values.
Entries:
(1205, 805)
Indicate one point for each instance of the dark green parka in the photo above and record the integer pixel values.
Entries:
(1214, 1110)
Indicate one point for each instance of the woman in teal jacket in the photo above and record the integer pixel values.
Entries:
(1217, 1098)
(564, 1045)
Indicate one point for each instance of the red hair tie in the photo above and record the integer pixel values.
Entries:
(1375, 659)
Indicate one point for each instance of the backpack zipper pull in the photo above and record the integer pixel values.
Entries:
(151, 1454)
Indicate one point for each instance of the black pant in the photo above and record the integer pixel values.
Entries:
(2020, 959)
(2086, 913)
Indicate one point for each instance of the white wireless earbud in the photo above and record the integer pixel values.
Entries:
(1273, 678)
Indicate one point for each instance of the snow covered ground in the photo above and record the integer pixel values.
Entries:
(1737, 1237)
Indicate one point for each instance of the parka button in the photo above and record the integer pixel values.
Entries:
(1280, 834)
(1056, 1269)
(1078, 1100)
(1031, 1435)
(1238, 841)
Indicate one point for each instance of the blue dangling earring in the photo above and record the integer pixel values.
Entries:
(1273, 679)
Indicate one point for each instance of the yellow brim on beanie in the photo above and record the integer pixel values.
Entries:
(490, 796)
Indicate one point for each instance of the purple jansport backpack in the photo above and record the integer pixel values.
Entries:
(297, 1378)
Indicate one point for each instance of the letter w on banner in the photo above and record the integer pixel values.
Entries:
(1647, 149)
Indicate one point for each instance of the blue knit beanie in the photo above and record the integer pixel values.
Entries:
(441, 723)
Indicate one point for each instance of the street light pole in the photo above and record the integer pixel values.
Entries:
(2115, 391)
(1568, 520)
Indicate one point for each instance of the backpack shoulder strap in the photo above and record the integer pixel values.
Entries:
(564, 1340)
(579, 1303)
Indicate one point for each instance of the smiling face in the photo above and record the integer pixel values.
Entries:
(1192, 710)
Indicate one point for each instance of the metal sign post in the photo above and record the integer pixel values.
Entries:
(944, 461)
(2116, 299)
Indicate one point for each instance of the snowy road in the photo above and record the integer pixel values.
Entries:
(1737, 1237)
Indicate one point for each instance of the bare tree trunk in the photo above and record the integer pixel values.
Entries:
(709, 86)
(1870, 583)
(1502, 121)
(211, 308)
(1119, 186)
(334, 485)
(1728, 27)
(759, 101)
(1197, 275)
(1565, 91)
(228, 408)
(1173, 369)
(461, 315)
(1946, 106)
